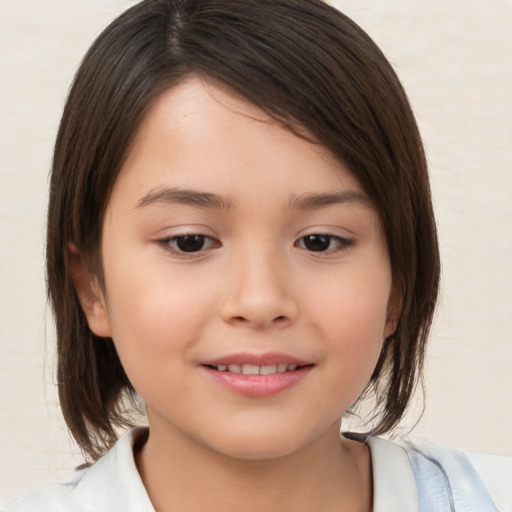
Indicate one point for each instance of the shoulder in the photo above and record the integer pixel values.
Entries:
(422, 477)
(46, 498)
(112, 484)
(55, 498)
(495, 472)
(478, 482)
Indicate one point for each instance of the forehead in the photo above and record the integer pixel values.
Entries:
(201, 135)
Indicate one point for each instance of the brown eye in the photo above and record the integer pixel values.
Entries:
(317, 243)
(188, 244)
(324, 243)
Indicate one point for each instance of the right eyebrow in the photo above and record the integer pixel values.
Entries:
(315, 201)
(187, 197)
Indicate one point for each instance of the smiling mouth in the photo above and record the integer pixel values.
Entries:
(252, 369)
(258, 376)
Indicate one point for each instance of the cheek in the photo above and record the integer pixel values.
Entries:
(352, 318)
(153, 313)
(354, 305)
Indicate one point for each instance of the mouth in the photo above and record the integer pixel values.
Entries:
(253, 369)
(257, 376)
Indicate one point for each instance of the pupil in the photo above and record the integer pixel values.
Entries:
(317, 242)
(190, 243)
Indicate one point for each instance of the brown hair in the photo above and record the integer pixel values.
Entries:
(301, 61)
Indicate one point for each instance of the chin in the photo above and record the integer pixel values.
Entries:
(256, 450)
(273, 442)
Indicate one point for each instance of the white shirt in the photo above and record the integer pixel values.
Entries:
(113, 484)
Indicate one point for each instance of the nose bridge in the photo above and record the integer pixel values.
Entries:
(258, 293)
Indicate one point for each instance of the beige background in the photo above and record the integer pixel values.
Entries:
(455, 59)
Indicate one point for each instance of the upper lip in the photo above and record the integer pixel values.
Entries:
(268, 359)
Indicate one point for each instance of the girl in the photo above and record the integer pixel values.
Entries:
(240, 232)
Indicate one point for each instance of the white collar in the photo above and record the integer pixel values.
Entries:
(394, 486)
(114, 484)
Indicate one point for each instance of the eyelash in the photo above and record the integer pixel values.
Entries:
(170, 243)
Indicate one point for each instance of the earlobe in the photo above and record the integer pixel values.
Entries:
(89, 294)
(393, 313)
(391, 325)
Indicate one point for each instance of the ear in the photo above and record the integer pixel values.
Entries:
(89, 294)
(394, 311)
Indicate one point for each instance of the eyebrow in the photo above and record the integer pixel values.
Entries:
(315, 201)
(208, 200)
(186, 197)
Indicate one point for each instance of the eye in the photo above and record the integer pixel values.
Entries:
(324, 243)
(191, 243)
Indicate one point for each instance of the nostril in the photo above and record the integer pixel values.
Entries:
(240, 319)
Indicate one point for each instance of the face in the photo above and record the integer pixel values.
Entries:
(248, 285)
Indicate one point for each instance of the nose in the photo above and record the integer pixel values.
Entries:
(258, 294)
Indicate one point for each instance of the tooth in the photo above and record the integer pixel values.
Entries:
(235, 368)
(268, 370)
(250, 369)
(282, 367)
(292, 367)
(222, 367)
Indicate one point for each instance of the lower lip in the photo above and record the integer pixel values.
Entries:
(258, 386)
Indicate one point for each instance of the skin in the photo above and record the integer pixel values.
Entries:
(254, 287)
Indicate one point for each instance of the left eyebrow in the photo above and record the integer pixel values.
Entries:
(186, 197)
(315, 201)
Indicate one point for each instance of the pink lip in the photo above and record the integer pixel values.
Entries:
(257, 386)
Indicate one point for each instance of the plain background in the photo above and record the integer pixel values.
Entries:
(455, 60)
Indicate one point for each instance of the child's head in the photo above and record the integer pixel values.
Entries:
(310, 69)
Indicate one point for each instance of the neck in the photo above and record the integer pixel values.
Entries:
(327, 475)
